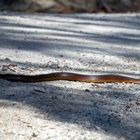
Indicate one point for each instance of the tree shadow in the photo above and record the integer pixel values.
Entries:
(93, 110)
(72, 36)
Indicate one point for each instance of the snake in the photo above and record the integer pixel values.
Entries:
(108, 78)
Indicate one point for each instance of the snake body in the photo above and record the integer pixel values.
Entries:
(70, 77)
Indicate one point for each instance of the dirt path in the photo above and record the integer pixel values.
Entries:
(63, 110)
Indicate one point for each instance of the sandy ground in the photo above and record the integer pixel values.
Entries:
(64, 110)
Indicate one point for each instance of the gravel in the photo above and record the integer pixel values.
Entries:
(64, 110)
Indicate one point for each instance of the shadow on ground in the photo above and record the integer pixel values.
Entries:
(74, 33)
(94, 110)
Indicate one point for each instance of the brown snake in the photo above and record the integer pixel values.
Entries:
(70, 77)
